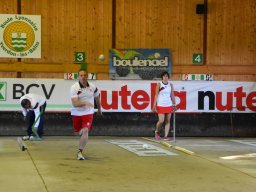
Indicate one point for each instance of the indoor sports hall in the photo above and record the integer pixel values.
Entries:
(127, 95)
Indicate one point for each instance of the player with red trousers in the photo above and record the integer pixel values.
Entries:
(83, 94)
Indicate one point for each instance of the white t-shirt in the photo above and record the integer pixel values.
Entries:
(164, 95)
(83, 94)
(36, 102)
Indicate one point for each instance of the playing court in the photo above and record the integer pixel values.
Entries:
(121, 164)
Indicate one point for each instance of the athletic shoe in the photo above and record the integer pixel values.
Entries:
(157, 136)
(167, 139)
(80, 156)
(32, 138)
(25, 138)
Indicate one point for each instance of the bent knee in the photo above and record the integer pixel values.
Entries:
(84, 131)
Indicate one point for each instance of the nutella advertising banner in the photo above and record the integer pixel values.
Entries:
(135, 95)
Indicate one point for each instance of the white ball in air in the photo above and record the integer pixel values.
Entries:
(101, 57)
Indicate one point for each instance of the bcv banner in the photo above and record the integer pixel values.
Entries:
(136, 96)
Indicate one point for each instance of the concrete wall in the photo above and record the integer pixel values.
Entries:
(137, 124)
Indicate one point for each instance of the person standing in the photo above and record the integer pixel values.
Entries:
(33, 109)
(164, 105)
(83, 94)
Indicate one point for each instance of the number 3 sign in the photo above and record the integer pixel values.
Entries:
(80, 57)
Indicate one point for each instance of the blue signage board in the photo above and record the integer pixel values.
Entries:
(145, 64)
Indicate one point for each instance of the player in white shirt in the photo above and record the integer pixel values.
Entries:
(33, 109)
(164, 104)
(83, 94)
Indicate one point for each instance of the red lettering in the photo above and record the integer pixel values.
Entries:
(140, 97)
(114, 100)
(124, 93)
(182, 95)
(153, 92)
(141, 100)
(239, 94)
(251, 98)
(229, 102)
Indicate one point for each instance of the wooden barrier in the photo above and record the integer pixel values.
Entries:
(96, 26)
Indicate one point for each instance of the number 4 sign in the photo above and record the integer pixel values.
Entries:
(197, 58)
